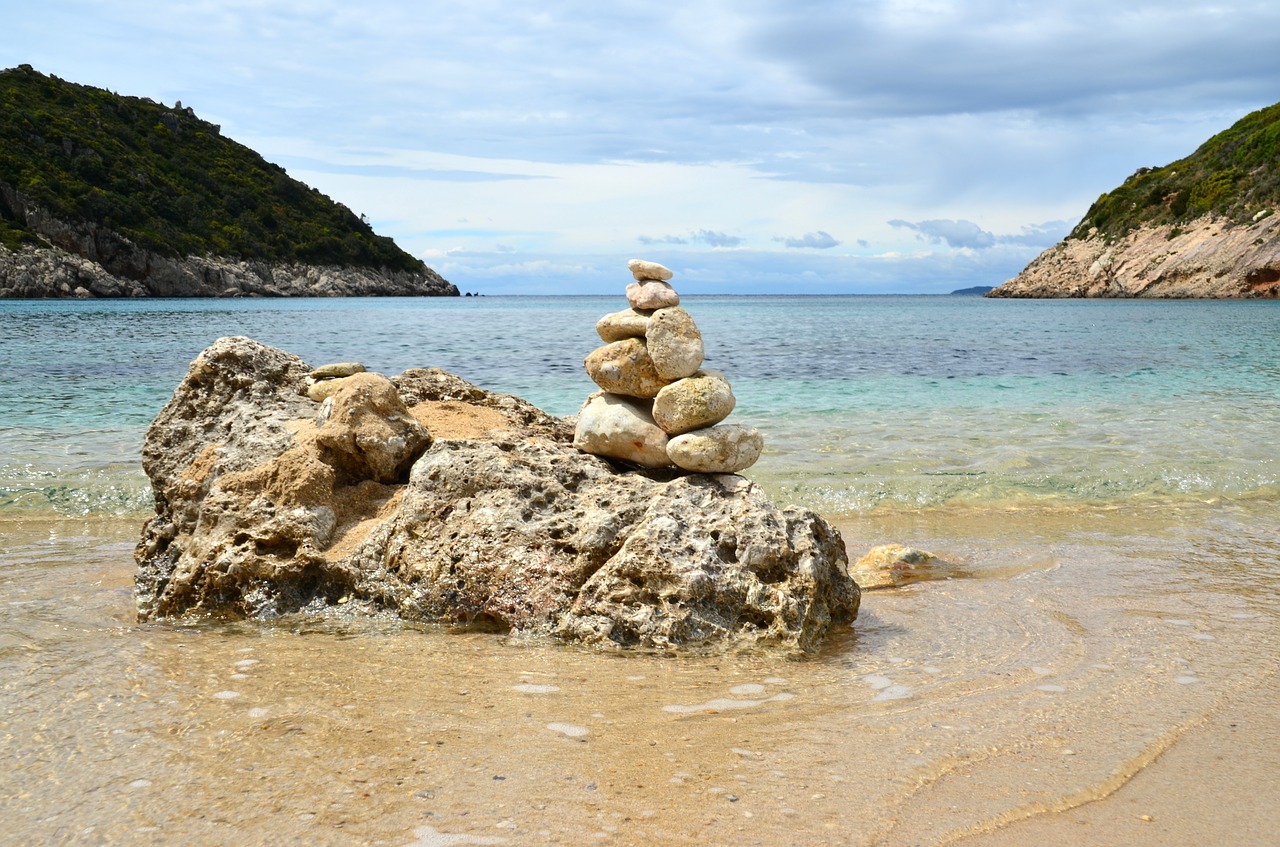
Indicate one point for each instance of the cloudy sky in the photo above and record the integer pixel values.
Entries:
(863, 146)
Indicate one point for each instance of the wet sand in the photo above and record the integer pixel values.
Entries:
(1094, 661)
(1216, 785)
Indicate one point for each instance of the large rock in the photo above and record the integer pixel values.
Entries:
(621, 428)
(503, 526)
(625, 367)
(1206, 258)
(699, 400)
(642, 270)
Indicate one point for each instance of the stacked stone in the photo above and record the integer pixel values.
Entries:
(657, 406)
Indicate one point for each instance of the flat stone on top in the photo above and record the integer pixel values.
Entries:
(642, 270)
(337, 369)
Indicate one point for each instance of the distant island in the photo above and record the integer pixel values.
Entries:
(974, 290)
(103, 195)
(1203, 227)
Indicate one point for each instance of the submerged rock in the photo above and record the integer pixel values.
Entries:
(891, 565)
(500, 525)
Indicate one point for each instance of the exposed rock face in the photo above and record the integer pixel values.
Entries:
(88, 260)
(499, 523)
(1208, 259)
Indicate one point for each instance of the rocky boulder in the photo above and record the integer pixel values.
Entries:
(493, 520)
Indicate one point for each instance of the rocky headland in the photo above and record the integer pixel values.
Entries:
(1210, 257)
(103, 195)
(87, 260)
(1204, 226)
(286, 490)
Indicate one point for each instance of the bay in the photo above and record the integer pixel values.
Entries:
(1103, 474)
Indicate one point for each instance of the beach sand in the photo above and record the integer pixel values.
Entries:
(1112, 664)
(1216, 785)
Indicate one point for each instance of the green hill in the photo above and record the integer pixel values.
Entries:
(1234, 175)
(166, 180)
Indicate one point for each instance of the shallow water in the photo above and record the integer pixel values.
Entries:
(1104, 473)
(1082, 645)
(867, 402)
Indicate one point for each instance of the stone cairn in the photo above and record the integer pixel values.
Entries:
(658, 407)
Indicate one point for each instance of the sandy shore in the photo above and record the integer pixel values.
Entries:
(1216, 785)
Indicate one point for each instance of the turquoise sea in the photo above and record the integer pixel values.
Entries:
(1102, 476)
(866, 402)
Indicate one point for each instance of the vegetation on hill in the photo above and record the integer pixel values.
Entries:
(166, 180)
(1234, 175)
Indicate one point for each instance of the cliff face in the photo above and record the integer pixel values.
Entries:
(83, 259)
(1209, 257)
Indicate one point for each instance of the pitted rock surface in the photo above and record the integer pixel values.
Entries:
(512, 530)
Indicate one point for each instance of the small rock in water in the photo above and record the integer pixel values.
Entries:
(890, 565)
(621, 428)
(727, 448)
(651, 294)
(337, 369)
(625, 367)
(698, 401)
(674, 343)
(625, 324)
(642, 270)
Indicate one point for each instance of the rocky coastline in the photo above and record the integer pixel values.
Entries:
(86, 260)
(1206, 258)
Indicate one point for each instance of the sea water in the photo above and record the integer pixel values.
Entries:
(866, 402)
(1103, 474)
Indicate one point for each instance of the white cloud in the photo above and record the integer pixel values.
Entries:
(505, 139)
(819, 240)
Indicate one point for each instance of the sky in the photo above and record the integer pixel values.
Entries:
(753, 146)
